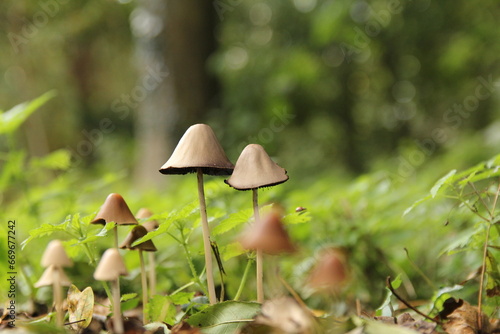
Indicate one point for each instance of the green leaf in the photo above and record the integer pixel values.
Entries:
(224, 318)
(12, 119)
(43, 230)
(184, 213)
(232, 222)
(231, 250)
(297, 218)
(441, 296)
(439, 184)
(128, 296)
(160, 309)
(416, 203)
(386, 308)
(57, 160)
(181, 297)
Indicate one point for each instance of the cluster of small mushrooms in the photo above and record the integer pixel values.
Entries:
(198, 151)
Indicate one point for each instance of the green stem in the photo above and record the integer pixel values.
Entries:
(191, 264)
(182, 288)
(93, 262)
(243, 279)
(481, 284)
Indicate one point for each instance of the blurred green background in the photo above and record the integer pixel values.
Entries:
(320, 84)
(365, 103)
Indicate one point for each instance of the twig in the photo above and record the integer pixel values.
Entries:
(414, 265)
(389, 286)
(481, 284)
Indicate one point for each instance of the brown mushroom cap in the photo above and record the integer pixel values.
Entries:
(268, 235)
(48, 277)
(138, 232)
(149, 225)
(111, 266)
(255, 169)
(115, 209)
(198, 148)
(330, 272)
(55, 255)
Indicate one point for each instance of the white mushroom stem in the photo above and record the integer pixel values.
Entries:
(206, 239)
(260, 255)
(152, 274)
(57, 287)
(117, 313)
(144, 288)
(115, 231)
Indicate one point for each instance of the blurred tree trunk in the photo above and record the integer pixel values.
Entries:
(173, 41)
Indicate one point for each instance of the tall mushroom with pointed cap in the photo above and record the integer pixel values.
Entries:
(136, 233)
(110, 268)
(254, 169)
(116, 210)
(54, 259)
(200, 152)
(150, 225)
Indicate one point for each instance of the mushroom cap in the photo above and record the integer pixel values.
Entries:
(268, 235)
(48, 277)
(198, 148)
(138, 232)
(330, 272)
(111, 266)
(55, 255)
(115, 209)
(149, 225)
(255, 169)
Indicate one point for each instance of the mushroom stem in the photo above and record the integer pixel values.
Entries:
(57, 287)
(117, 313)
(206, 238)
(144, 288)
(152, 274)
(260, 255)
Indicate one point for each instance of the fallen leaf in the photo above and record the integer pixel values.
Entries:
(80, 307)
(464, 319)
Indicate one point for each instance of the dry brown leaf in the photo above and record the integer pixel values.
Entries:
(465, 320)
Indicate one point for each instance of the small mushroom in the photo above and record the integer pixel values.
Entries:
(254, 169)
(150, 225)
(110, 268)
(200, 152)
(54, 259)
(330, 273)
(268, 235)
(138, 232)
(116, 210)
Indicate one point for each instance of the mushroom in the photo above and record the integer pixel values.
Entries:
(115, 209)
(138, 232)
(150, 225)
(200, 152)
(54, 259)
(330, 273)
(254, 169)
(267, 236)
(110, 268)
